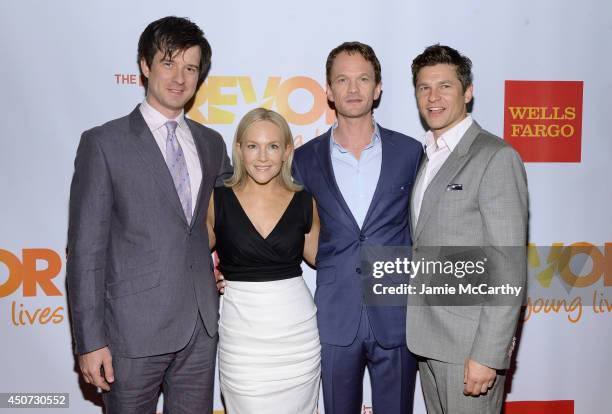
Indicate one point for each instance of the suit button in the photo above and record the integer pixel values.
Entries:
(362, 237)
(358, 270)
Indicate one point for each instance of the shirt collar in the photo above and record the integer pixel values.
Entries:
(155, 120)
(449, 140)
(375, 137)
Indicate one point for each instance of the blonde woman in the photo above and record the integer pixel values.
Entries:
(262, 224)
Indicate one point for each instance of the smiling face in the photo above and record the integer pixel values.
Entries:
(352, 88)
(263, 151)
(440, 97)
(172, 80)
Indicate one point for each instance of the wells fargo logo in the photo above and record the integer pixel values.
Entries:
(543, 119)
(539, 407)
(224, 91)
(584, 273)
(34, 274)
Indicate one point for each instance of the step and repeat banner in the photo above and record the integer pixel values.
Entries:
(541, 81)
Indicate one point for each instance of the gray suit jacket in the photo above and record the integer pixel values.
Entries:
(137, 272)
(490, 211)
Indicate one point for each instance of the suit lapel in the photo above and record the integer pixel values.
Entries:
(149, 151)
(324, 156)
(204, 157)
(386, 170)
(420, 172)
(436, 188)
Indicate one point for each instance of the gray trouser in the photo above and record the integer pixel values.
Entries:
(442, 385)
(186, 378)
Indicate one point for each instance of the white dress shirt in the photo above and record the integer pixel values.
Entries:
(437, 153)
(157, 124)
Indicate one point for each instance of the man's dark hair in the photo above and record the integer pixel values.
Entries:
(440, 54)
(170, 35)
(351, 48)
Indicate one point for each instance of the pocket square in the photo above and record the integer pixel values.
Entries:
(454, 187)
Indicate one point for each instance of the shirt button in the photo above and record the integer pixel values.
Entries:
(358, 270)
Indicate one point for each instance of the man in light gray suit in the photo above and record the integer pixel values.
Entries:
(470, 190)
(142, 296)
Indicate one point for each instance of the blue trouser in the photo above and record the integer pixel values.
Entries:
(392, 375)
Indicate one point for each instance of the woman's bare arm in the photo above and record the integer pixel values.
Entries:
(311, 242)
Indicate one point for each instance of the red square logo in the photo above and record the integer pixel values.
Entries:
(539, 407)
(543, 119)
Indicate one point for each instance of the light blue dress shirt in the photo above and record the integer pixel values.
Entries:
(357, 178)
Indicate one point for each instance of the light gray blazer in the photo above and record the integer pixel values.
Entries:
(137, 272)
(490, 210)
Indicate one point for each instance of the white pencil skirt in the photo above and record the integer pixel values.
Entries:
(269, 349)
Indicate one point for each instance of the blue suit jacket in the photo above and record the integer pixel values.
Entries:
(339, 296)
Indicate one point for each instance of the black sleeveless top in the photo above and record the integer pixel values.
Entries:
(244, 255)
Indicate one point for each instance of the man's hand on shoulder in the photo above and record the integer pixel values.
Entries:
(90, 364)
(477, 378)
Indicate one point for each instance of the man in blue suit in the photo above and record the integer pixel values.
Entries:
(361, 176)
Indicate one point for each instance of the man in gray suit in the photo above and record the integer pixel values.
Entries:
(142, 296)
(470, 190)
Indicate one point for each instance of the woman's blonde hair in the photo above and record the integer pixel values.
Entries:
(262, 114)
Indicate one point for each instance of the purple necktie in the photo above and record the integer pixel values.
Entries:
(178, 168)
